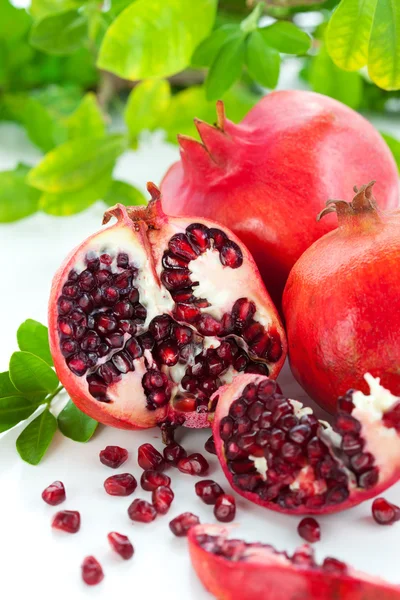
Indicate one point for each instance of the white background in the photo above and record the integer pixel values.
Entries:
(36, 561)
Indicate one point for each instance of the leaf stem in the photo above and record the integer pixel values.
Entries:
(54, 394)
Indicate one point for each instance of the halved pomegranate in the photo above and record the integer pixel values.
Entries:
(149, 316)
(275, 453)
(235, 570)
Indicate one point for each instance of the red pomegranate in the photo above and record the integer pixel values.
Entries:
(233, 569)
(267, 177)
(275, 453)
(342, 303)
(150, 315)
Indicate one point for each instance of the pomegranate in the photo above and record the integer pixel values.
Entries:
(275, 453)
(342, 303)
(149, 316)
(233, 569)
(54, 493)
(267, 177)
(92, 572)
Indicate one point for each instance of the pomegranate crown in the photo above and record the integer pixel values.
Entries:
(363, 202)
(152, 213)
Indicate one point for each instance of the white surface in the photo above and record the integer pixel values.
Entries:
(40, 563)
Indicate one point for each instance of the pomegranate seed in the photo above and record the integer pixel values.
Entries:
(169, 353)
(150, 458)
(209, 446)
(231, 255)
(54, 494)
(304, 556)
(162, 499)
(309, 530)
(134, 348)
(182, 523)
(173, 453)
(67, 520)
(151, 480)
(121, 544)
(160, 327)
(332, 565)
(92, 573)
(347, 424)
(208, 491)
(219, 238)
(384, 512)
(142, 511)
(199, 236)
(179, 244)
(207, 325)
(122, 260)
(187, 312)
(113, 456)
(120, 485)
(225, 508)
(194, 464)
(243, 311)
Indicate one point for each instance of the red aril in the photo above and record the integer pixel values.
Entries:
(67, 520)
(208, 491)
(267, 177)
(151, 480)
(149, 316)
(194, 464)
(54, 493)
(182, 523)
(225, 508)
(121, 544)
(123, 484)
(142, 511)
(113, 456)
(162, 498)
(150, 458)
(92, 573)
(210, 446)
(173, 452)
(309, 530)
(384, 512)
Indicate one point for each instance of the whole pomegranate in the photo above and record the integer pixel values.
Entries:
(149, 316)
(342, 303)
(267, 177)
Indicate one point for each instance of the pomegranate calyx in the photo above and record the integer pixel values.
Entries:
(363, 203)
(152, 214)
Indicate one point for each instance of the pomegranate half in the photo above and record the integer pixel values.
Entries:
(275, 453)
(342, 303)
(233, 569)
(150, 315)
(267, 177)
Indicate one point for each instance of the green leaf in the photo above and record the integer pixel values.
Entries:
(70, 203)
(13, 410)
(14, 22)
(30, 374)
(286, 37)
(59, 33)
(76, 163)
(7, 388)
(17, 198)
(147, 102)
(33, 337)
(348, 33)
(33, 442)
(155, 38)
(87, 120)
(384, 46)
(326, 78)
(206, 52)
(394, 146)
(121, 192)
(263, 62)
(42, 8)
(74, 424)
(226, 68)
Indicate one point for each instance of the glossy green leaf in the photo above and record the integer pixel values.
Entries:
(226, 68)
(263, 62)
(17, 198)
(121, 192)
(384, 45)
(59, 33)
(7, 388)
(87, 120)
(35, 439)
(13, 410)
(286, 37)
(348, 33)
(14, 22)
(42, 8)
(146, 104)
(33, 337)
(74, 424)
(206, 52)
(76, 163)
(70, 203)
(31, 374)
(155, 38)
(394, 145)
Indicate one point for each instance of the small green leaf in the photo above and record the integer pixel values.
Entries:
(384, 45)
(147, 102)
(87, 120)
(206, 52)
(394, 146)
(7, 388)
(70, 203)
(14, 22)
(17, 198)
(13, 410)
(76, 163)
(59, 33)
(263, 62)
(250, 23)
(121, 192)
(226, 68)
(33, 337)
(155, 38)
(74, 424)
(34, 440)
(286, 37)
(30, 374)
(42, 8)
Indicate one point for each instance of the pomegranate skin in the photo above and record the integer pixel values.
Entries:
(342, 305)
(291, 152)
